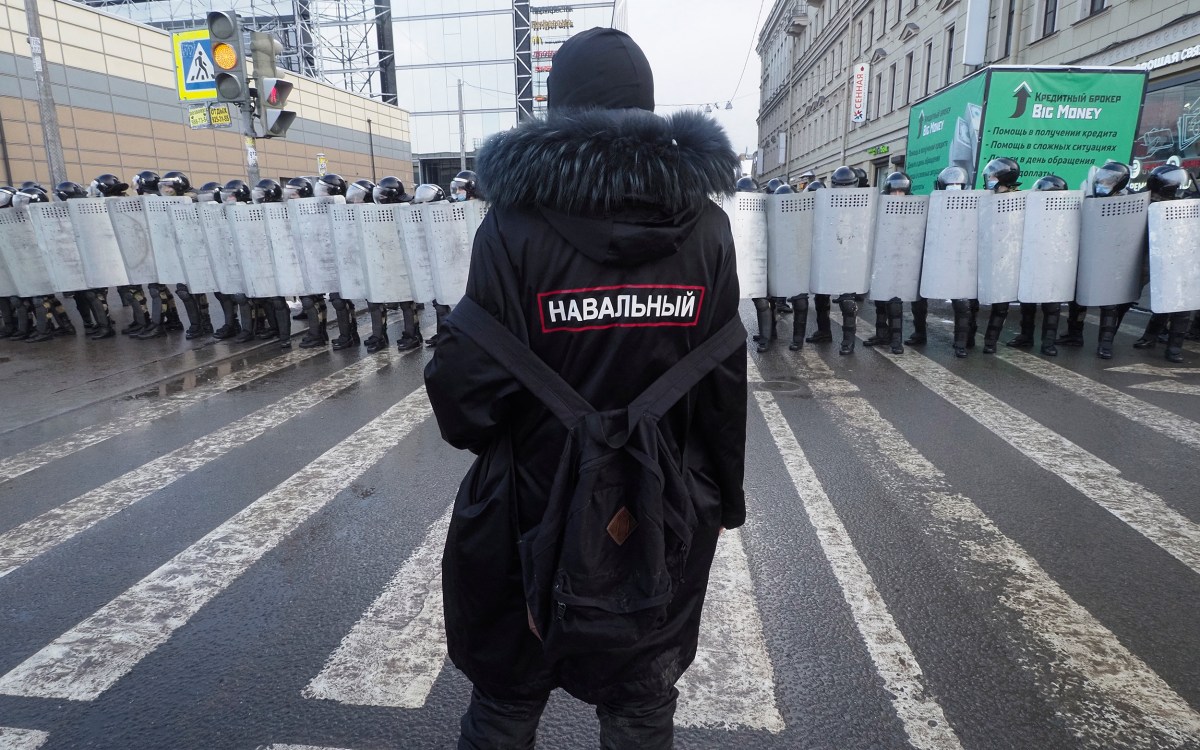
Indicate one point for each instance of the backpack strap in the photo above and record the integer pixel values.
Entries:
(687, 372)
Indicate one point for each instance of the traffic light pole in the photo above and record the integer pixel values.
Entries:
(251, 150)
(46, 109)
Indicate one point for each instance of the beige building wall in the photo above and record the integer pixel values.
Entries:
(114, 87)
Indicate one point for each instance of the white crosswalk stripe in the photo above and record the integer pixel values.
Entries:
(12, 738)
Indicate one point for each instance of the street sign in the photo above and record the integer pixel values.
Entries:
(205, 116)
(195, 73)
(198, 116)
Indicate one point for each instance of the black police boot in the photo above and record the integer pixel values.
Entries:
(283, 322)
(799, 321)
(440, 312)
(1108, 331)
(996, 317)
(822, 335)
(765, 312)
(347, 326)
(84, 308)
(1193, 332)
(1075, 317)
(99, 310)
(962, 325)
(972, 322)
(1156, 325)
(849, 309)
(781, 306)
(1177, 330)
(62, 321)
(1024, 339)
(1050, 313)
(8, 318)
(411, 338)
(883, 333)
(317, 334)
(920, 311)
(895, 317)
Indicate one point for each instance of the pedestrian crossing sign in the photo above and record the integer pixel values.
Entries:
(195, 73)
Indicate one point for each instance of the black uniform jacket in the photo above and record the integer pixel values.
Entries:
(603, 251)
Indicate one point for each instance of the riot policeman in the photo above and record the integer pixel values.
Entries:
(360, 191)
(772, 185)
(764, 307)
(803, 180)
(862, 177)
(1050, 310)
(206, 193)
(1110, 179)
(389, 191)
(132, 296)
(889, 320)
(17, 311)
(965, 310)
(814, 186)
(842, 177)
(176, 183)
(747, 185)
(465, 186)
(1166, 183)
(92, 303)
(267, 190)
(163, 315)
(1001, 175)
(429, 193)
(49, 314)
(253, 316)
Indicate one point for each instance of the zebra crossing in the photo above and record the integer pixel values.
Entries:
(898, 510)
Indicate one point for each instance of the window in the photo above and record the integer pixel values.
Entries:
(891, 88)
(1049, 16)
(899, 9)
(860, 36)
(950, 55)
(883, 21)
(878, 94)
(912, 8)
(1095, 6)
(928, 66)
(908, 78)
(1008, 28)
(870, 30)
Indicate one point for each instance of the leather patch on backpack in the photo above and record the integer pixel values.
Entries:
(622, 525)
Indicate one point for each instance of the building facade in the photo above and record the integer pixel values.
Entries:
(811, 50)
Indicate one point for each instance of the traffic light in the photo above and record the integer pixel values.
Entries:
(272, 92)
(225, 35)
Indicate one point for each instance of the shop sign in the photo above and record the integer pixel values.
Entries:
(879, 150)
(1178, 56)
(858, 96)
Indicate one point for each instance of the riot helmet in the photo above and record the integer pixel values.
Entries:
(6, 195)
(1001, 173)
(209, 191)
(897, 183)
(747, 185)
(329, 185)
(465, 186)
(1110, 179)
(390, 190)
(773, 185)
(814, 185)
(1050, 182)
(174, 183)
(360, 191)
(862, 177)
(266, 190)
(235, 191)
(428, 193)
(844, 177)
(107, 186)
(65, 191)
(297, 187)
(25, 196)
(31, 184)
(1167, 182)
(808, 176)
(951, 178)
(784, 189)
(146, 182)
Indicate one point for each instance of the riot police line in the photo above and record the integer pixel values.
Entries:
(251, 247)
(1093, 247)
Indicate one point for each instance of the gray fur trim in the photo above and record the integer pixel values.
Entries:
(593, 162)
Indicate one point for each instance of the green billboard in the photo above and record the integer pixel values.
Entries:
(1059, 121)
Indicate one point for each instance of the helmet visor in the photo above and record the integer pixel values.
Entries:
(358, 194)
(258, 195)
(229, 195)
(323, 190)
(5, 198)
(20, 200)
(168, 188)
(291, 192)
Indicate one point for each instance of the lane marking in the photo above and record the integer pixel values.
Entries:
(12, 738)
(922, 717)
(1100, 482)
(1169, 386)
(297, 747)
(1113, 692)
(38, 535)
(731, 684)
(1144, 369)
(91, 657)
(38, 456)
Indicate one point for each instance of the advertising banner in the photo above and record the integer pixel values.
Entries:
(943, 130)
(860, 74)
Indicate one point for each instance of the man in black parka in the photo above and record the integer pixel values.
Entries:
(604, 252)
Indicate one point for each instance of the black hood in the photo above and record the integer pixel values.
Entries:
(622, 186)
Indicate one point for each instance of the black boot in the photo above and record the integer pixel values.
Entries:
(1193, 333)
(347, 323)
(781, 306)
(99, 307)
(84, 308)
(1024, 339)
(799, 321)
(996, 317)
(972, 322)
(1176, 331)
(883, 333)
(411, 338)
(1149, 339)
(822, 335)
(920, 311)
(849, 307)
(62, 322)
(962, 324)
(1050, 313)
(1075, 317)
(895, 318)
(318, 332)
(8, 317)
(766, 322)
(440, 312)
(194, 329)
(283, 322)
(1108, 331)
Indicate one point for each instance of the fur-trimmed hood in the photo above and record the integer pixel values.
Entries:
(595, 162)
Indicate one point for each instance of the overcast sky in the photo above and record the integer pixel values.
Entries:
(697, 49)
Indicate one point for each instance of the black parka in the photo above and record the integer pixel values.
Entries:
(605, 253)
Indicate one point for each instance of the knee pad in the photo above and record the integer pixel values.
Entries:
(848, 305)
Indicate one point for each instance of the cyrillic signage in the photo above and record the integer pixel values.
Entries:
(859, 75)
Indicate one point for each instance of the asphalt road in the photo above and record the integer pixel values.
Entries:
(996, 552)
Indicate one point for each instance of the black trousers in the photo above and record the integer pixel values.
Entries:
(509, 722)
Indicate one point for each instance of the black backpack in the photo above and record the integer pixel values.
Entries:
(602, 566)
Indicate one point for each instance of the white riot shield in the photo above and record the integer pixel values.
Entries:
(1112, 241)
(285, 252)
(223, 252)
(899, 244)
(843, 224)
(8, 287)
(1001, 232)
(416, 251)
(343, 233)
(193, 248)
(789, 243)
(385, 267)
(450, 232)
(132, 229)
(22, 254)
(1174, 260)
(314, 239)
(56, 240)
(950, 265)
(249, 229)
(748, 220)
(162, 237)
(1050, 247)
(96, 239)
